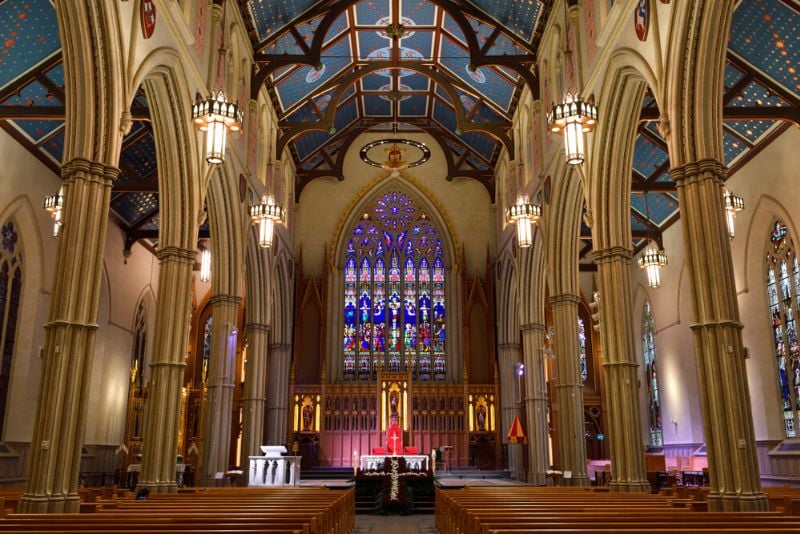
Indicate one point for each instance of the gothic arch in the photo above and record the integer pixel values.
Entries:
(561, 230)
(508, 299)
(227, 225)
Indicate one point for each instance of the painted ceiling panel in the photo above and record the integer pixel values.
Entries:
(422, 42)
(732, 76)
(368, 12)
(519, 17)
(375, 82)
(764, 33)
(445, 116)
(287, 44)
(375, 105)
(36, 130)
(54, 145)
(647, 157)
(339, 25)
(300, 83)
(756, 95)
(423, 13)
(309, 142)
(141, 156)
(485, 80)
(415, 81)
(29, 37)
(453, 28)
(733, 147)
(33, 94)
(414, 106)
(750, 130)
(346, 114)
(304, 113)
(477, 163)
(504, 46)
(482, 143)
(312, 162)
(659, 206)
(132, 207)
(272, 15)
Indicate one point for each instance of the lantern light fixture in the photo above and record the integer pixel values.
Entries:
(573, 117)
(217, 117)
(652, 261)
(265, 215)
(54, 205)
(523, 213)
(205, 264)
(733, 205)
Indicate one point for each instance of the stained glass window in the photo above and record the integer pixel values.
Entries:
(651, 377)
(582, 350)
(206, 346)
(10, 293)
(783, 298)
(394, 293)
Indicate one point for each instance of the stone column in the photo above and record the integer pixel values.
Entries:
(58, 430)
(717, 332)
(536, 403)
(569, 389)
(221, 378)
(620, 368)
(280, 358)
(163, 405)
(508, 357)
(255, 386)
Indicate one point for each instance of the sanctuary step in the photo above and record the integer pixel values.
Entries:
(423, 504)
(327, 473)
(466, 472)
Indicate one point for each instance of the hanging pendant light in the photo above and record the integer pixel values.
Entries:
(573, 118)
(523, 213)
(733, 205)
(216, 116)
(653, 260)
(265, 215)
(205, 265)
(54, 205)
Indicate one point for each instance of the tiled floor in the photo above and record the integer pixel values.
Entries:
(394, 524)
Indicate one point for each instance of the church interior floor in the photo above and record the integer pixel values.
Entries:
(409, 524)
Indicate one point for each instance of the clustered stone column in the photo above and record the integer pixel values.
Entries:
(620, 368)
(254, 398)
(717, 333)
(508, 357)
(221, 378)
(569, 389)
(58, 431)
(536, 402)
(280, 357)
(163, 406)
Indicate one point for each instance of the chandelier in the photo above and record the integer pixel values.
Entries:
(653, 260)
(395, 160)
(205, 264)
(573, 117)
(54, 205)
(733, 205)
(523, 213)
(265, 215)
(216, 116)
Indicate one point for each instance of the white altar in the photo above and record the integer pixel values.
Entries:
(413, 461)
(273, 469)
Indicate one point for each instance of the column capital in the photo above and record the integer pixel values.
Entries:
(612, 254)
(277, 347)
(93, 168)
(176, 254)
(564, 298)
(257, 327)
(699, 170)
(533, 327)
(705, 325)
(225, 299)
(508, 346)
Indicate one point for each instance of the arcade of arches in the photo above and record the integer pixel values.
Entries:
(399, 292)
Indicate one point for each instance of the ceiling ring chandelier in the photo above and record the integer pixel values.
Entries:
(395, 160)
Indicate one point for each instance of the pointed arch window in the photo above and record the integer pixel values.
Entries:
(651, 376)
(394, 293)
(783, 296)
(139, 344)
(10, 294)
(206, 354)
(582, 350)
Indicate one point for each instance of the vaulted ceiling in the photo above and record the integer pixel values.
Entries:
(451, 68)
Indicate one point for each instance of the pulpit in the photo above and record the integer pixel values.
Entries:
(273, 469)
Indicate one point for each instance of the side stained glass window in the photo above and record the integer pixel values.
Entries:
(206, 346)
(582, 350)
(783, 297)
(651, 376)
(394, 293)
(139, 343)
(10, 295)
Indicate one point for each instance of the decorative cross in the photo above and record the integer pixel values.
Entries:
(394, 444)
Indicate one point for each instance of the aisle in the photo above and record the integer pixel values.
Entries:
(395, 524)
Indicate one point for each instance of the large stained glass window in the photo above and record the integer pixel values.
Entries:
(582, 350)
(783, 295)
(651, 377)
(10, 294)
(394, 293)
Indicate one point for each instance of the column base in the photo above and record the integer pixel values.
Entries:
(55, 504)
(733, 502)
(633, 486)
